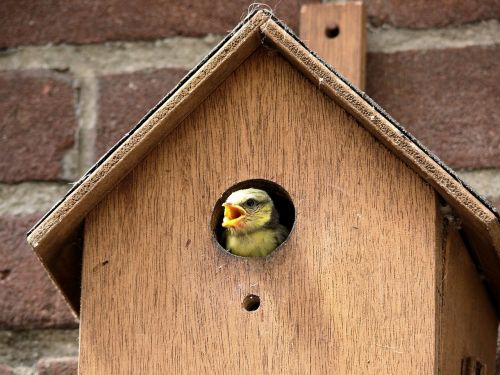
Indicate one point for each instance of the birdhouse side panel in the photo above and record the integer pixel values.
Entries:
(468, 322)
(352, 290)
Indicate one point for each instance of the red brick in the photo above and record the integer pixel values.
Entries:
(58, 366)
(447, 98)
(425, 13)
(6, 370)
(40, 22)
(38, 124)
(125, 98)
(28, 299)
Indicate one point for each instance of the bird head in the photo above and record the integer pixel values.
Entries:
(248, 210)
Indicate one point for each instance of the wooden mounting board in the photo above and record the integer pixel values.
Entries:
(346, 52)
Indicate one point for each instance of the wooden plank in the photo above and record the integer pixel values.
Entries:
(478, 219)
(468, 321)
(337, 33)
(352, 290)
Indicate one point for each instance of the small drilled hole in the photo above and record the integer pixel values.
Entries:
(251, 302)
(332, 31)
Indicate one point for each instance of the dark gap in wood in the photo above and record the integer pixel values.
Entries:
(473, 366)
(444, 225)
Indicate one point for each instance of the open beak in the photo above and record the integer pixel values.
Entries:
(233, 214)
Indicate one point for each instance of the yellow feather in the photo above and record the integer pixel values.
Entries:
(259, 243)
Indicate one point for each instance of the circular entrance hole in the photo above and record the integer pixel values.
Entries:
(280, 197)
(251, 302)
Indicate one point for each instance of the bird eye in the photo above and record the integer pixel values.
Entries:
(251, 202)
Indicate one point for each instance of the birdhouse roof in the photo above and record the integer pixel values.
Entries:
(57, 237)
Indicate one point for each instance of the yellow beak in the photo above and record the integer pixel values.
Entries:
(233, 214)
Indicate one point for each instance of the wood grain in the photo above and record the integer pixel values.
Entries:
(351, 292)
(346, 52)
(468, 322)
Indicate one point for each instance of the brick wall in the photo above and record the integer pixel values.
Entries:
(74, 76)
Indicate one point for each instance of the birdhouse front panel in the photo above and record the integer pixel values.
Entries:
(351, 291)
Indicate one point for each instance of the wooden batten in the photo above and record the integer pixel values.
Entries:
(337, 33)
(53, 232)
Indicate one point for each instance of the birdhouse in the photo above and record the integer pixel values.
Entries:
(390, 264)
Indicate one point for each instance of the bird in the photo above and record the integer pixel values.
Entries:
(251, 222)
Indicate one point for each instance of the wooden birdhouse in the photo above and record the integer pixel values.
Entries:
(391, 265)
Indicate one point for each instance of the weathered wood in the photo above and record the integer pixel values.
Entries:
(468, 321)
(351, 292)
(337, 33)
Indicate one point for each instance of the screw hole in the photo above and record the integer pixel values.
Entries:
(332, 31)
(251, 302)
